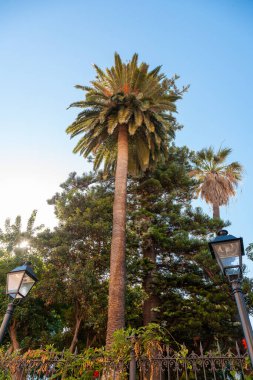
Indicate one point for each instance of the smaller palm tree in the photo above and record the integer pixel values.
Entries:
(217, 181)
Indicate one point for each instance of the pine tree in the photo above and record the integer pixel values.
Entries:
(184, 290)
(77, 257)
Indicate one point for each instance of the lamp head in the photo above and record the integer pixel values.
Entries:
(228, 251)
(20, 281)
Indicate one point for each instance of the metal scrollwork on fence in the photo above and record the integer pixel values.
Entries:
(210, 366)
(170, 365)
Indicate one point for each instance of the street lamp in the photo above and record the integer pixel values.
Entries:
(228, 251)
(19, 283)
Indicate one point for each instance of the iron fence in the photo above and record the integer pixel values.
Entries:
(166, 365)
(209, 366)
(59, 368)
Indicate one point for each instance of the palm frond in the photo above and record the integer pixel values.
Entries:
(217, 181)
(131, 94)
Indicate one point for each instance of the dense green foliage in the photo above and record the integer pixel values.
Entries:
(77, 257)
(178, 285)
(182, 282)
(17, 247)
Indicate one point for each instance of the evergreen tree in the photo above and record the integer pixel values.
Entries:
(77, 259)
(183, 286)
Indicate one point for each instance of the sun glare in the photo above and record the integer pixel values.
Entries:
(23, 244)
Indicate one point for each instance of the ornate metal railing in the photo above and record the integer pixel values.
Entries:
(166, 365)
(59, 368)
(209, 366)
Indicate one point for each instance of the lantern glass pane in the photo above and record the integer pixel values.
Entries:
(26, 285)
(230, 249)
(233, 271)
(13, 282)
(230, 262)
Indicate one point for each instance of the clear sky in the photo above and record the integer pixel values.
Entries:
(46, 47)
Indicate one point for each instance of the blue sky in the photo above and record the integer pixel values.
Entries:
(47, 47)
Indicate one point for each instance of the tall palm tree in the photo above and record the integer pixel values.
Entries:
(217, 181)
(126, 122)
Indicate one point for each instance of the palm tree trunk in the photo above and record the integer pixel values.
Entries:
(216, 211)
(116, 304)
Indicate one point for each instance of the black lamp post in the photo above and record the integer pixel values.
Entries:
(228, 251)
(19, 283)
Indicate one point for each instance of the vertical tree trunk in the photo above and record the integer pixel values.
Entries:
(13, 336)
(17, 373)
(216, 211)
(152, 302)
(75, 336)
(116, 304)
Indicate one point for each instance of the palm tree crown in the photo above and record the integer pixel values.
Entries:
(217, 181)
(129, 95)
